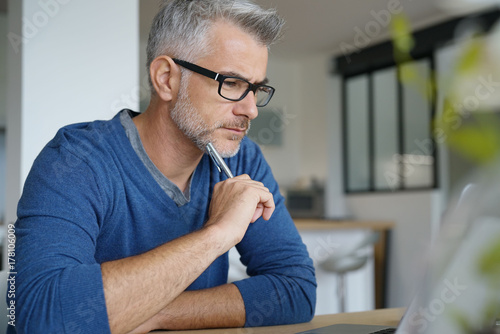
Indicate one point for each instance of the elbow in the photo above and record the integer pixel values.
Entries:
(283, 309)
(308, 302)
(308, 315)
(302, 303)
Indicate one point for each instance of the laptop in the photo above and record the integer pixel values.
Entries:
(352, 329)
(456, 292)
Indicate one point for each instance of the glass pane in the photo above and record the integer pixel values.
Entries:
(385, 104)
(418, 161)
(357, 133)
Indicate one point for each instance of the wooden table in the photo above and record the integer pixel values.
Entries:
(379, 249)
(383, 317)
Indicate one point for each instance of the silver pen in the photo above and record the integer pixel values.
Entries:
(218, 161)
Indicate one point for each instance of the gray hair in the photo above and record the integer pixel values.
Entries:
(180, 28)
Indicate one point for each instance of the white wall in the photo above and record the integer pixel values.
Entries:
(359, 284)
(335, 207)
(3, 164)
(301, 89)
(73, 70)
(416, 215)
(3, 109)
(3, 69)
(146, 15)
(77, 62)
(314, 75)
(285, 161)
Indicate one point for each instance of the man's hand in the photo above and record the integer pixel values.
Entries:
(236, 203)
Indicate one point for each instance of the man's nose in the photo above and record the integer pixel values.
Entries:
(247, 107)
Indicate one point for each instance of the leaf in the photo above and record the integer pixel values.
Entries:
(402, 35)
(490, 312)
(480, 145)
(402, 38)
(471, 58)
(475, 136)
(460, 320)
(408, 73)
(489, 263)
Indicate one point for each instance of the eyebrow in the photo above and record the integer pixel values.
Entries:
(237, 75)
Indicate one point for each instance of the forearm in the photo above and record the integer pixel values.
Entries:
(278, 299)
(218, 307)
(138, 287)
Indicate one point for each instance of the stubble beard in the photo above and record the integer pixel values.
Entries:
(189, 120)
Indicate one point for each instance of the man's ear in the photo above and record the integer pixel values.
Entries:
(165, 76)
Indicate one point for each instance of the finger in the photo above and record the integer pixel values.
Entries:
(242, 177)
(258, 212)
(268, 212)
(268, 205)
(265, 206)
(246, 182)
(245, 178)
(252, 183)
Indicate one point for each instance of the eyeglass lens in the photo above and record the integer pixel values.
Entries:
(235, 89)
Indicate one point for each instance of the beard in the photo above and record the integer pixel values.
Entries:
(189, 120)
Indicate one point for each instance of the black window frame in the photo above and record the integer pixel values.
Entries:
(381, 56)
(401, 130)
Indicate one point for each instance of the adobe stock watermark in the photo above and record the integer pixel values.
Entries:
(485, 89)
(132, 97)
(372, 29)
(277, 119)
(31, 26)
(11, 278)
(325, 248)
(421, 318)
(267, 308)
(422, 156)
(87, 309)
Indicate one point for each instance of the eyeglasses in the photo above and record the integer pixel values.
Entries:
(232, 88)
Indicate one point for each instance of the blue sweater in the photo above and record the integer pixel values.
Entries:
(89, 199)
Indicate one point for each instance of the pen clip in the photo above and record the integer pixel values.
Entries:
(218, 161)
(212, 156)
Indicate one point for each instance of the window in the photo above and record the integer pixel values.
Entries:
(387, 125)
(387, 131)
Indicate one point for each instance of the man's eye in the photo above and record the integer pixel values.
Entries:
(233, 83)
(230, 83)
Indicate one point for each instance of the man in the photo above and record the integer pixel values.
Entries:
(124, 225)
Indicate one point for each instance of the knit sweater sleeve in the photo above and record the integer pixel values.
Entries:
(58, 283)
(282, 285)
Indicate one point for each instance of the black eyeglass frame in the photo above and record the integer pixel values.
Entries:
(221, 77)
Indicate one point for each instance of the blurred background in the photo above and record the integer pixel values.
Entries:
(346, 139)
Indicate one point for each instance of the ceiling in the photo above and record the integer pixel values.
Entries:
(322, 25)
(315, 26)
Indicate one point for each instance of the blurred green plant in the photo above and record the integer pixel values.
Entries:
(475, 134)
(488, 267)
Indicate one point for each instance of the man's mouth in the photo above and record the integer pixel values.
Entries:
(237, 130)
